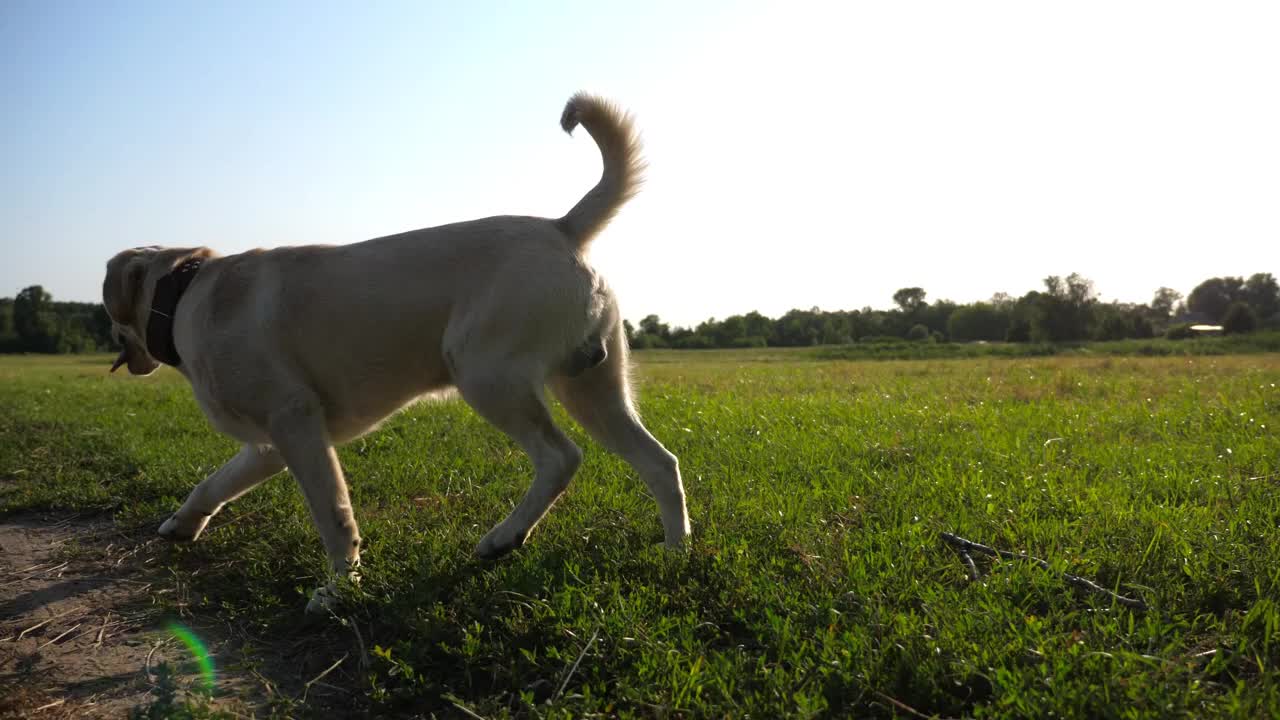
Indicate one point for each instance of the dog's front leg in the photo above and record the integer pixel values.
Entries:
(300, 435)
(252, 465)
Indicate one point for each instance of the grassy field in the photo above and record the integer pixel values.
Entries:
(817, 584)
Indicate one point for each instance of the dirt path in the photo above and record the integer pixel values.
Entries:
(80, 633)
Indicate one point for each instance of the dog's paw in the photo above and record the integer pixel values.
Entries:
(498, 542)
(324, 601)
(176, 530)
(678, 548)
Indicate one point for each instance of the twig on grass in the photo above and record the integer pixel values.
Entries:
(964, 547)
(64, 634)
(146, 665)
(70, 644)
(364, 654)
(307, 688)
(564, 683)
(902, 706)
(37, 573)
(44, 622)
(456, 702)
(98, 640)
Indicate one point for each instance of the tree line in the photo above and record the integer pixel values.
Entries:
(33, 322)
(1066, 310)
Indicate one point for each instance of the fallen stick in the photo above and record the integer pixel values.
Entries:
(307, 688)
(964, 547)
(103, 629)
(44, 622)
(564, 683)
(973, 567)
(903, 706)
(65, 633)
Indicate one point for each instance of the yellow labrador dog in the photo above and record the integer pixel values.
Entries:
(294, 350)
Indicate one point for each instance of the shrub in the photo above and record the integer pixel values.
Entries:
(1239, 319)
(1179, 332)
(695, 342)
(1019, 331)
(918, 333)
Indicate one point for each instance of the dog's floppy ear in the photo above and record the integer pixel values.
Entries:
(122, 288)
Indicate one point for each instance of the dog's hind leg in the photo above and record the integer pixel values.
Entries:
(600, 400)
(298, 431)
(516, 407)
(252, 465)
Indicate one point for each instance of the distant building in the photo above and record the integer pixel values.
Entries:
(1206, 329)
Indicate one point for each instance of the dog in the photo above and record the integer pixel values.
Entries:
(295, 350)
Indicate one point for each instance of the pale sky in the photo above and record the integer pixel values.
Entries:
(800, 153)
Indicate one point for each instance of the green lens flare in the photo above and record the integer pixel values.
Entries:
(198, 651)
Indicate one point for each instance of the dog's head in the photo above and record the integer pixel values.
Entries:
(127, 291)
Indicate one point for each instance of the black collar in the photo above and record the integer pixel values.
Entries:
(164, 305)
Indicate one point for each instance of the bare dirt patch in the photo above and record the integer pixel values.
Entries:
(81, 632)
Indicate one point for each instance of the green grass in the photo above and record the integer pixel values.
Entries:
(816, 585)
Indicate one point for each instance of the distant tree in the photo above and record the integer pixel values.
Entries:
(99, 325)
(1262, 292)
(1064, 311)
(651, 325)
(629, 331)
(6, 318)
(727, 332)
(645, 341)
(1239, 319)
(1055, 287)
(1164, 302)
(798, 328)
(979, 321)
(694, 341)
(8, 336)
(1080, 290)
(757, 325)
(910, 299)
(1021, 313)
(1213, 296)
(33, 320)
(1112, 325)
(1116, 321)
(935, 315)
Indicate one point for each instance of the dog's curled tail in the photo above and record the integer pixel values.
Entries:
(619, 145)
